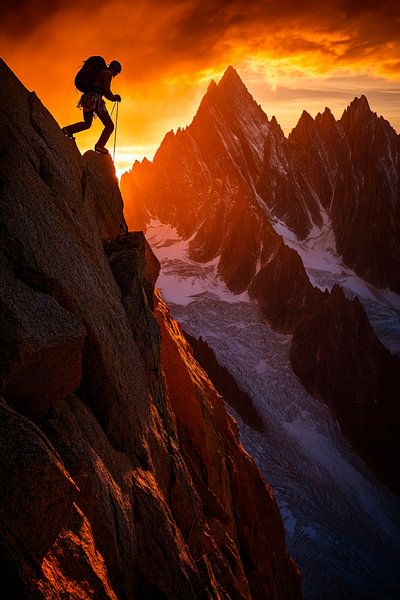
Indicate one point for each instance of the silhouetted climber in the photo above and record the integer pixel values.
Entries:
(94, 80)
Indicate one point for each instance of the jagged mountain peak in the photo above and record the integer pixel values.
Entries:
(274, 125)
(360, 103)
(358, 108)
(230, 111)
(211, 86)
(306, 117)
(304, 126)
(231, 77)
(229, 89)
(326, 114)
(226, 112)
(325, 120)
(304, 123)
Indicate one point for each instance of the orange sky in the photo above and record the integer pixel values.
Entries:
(291, 55)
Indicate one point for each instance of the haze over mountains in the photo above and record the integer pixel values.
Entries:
(235, 209)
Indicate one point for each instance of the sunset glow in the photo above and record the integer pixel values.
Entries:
(200, 299)
(290, 55)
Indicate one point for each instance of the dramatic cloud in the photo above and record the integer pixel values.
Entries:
(170, 50)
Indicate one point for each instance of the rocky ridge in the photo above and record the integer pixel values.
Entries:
(353, 167)
(225, 384)
(122, 475)
(232, 163)
(338, 358)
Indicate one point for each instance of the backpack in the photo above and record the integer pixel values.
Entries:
(86, 76)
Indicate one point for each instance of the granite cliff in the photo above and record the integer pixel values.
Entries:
(122, 475)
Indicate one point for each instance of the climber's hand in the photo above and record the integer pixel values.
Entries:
(117, 98)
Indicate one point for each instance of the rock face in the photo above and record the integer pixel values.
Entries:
(41, 342)
(338, 358)
(283, 290)
(353, 165)
(121, 474)
(223, 476)
(231, 180)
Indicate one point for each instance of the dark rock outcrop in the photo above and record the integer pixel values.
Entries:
(225, 383)
(111, 487)
(339, 359)
(283, 290)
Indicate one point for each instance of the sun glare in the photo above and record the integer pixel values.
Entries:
(126, 156)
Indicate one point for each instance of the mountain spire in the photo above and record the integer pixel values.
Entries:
(359, 108)
(231, 76)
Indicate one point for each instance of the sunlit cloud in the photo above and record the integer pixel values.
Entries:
(291, 55)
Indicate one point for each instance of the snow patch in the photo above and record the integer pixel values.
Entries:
(325, 268)
(181, 279)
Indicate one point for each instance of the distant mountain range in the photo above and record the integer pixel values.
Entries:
(233, 167)
(250, 198)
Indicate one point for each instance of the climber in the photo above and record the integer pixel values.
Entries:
(95, 84)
